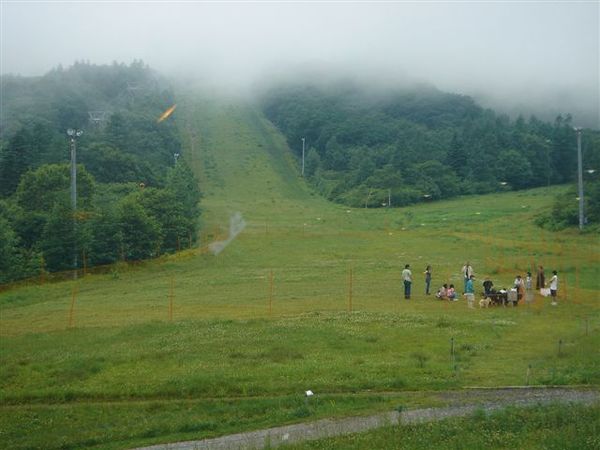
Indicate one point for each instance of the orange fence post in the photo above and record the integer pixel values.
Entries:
(84, 259)
(42, 270)
(350, 291)
(577, 292)
(171, 295)
(271, 293)
(72, 310)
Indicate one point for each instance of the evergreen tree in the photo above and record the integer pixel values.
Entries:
(457, 156)
(184, 186)
(10, 261)
(140, 232)
(514, 168)
(312, 163)
(167, 211)
(15, 159)
(106, 239)
(40, 189)
(59, 243)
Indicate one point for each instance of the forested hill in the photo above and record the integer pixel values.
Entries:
(116, 106)
(135, 199)
(418, 143)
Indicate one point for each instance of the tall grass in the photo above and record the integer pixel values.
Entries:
(556, 427)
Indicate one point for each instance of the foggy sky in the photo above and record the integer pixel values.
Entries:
(523, 55)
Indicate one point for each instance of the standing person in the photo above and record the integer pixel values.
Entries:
(528, 291)
(427, 279)
(520, 287)
(467, 271)
(554, 287)
(528, 281)
(407, 278)
(470, 291)
(540, 281)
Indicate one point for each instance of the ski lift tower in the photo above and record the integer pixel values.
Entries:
(133, 89)
(98, 118)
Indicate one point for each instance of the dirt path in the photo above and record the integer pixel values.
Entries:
(460, 403)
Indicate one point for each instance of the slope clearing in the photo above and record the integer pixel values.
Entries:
(307, 296)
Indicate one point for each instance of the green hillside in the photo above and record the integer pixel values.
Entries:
(368, 144)
(307, 296)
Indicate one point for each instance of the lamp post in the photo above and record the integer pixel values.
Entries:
(303, 139)
(73, 135)
(548, 142)
(579, 177)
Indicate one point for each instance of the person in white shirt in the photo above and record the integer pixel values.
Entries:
(519, 285)
(407, 278)
(554, 287)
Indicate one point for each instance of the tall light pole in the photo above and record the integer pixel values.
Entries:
(580, 177)
(548, 142)
(303, 139)
(73, 135)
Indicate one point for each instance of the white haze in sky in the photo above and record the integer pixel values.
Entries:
(523, 56)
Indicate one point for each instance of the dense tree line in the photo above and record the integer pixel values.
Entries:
(416, 144)
(135, 200)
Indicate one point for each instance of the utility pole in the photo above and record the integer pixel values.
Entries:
(303, 139)
(73, 135)
(580, 177)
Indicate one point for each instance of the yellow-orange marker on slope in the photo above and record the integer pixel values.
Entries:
(166, 114)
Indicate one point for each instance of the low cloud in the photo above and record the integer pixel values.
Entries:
(537, 56)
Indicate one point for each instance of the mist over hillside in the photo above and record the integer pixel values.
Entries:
(544, 104)
(541, 100)
(516, 57)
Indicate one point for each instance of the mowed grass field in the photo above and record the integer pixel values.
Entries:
(307, 296)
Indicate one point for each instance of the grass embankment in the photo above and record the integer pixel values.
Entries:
(556, 427)
(308, 296)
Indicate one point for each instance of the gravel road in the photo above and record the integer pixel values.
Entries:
(460, 403)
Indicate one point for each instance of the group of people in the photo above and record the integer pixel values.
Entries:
(446, 292)
(520, 286)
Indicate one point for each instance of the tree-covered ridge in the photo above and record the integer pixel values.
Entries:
(37, 112)
(136, 199)
(419, 143)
